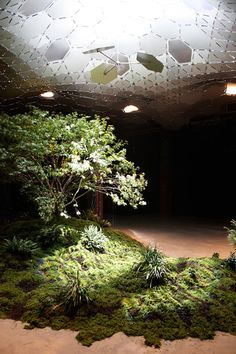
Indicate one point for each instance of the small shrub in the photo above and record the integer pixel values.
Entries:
(192, 274)
(232, 233)
(181, 265)
(48, 236)
(21, 247)
(92, 216)
(54, 234)
(93, 239)
(153, 266)
(74, 294)
(215, 255)
(231, 261)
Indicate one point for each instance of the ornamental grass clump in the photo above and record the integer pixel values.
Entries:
(93, 239)
(20, 247)
(232, 233)
(74, 293)
(231, 261)
(153, 266)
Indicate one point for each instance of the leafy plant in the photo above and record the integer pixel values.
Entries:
(74, 293)
(153, 267)
(231, 261)
(93, 239)
(232, 233)
(22, 247)
(59, 158)
(50, 235)
(215, 255)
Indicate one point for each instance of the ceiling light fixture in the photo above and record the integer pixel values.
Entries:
(230, 88)
(130, 108)
(47, 94)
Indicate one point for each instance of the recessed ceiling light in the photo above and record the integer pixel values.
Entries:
(130, 108)
(231, 88)
(48, 94)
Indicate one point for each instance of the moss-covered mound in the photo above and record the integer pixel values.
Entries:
(195, 298)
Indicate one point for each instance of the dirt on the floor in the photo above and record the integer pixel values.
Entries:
(14, 339)
(197, 242)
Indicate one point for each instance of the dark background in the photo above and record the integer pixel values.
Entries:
(199, 174)
(199, 168)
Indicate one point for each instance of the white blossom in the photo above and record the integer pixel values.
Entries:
(64, 214)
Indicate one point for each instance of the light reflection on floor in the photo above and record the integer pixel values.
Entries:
(185, 238)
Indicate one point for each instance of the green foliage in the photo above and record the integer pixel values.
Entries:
(93, 239)
(21, 247)
(153, 266)
(59, 231)
(231, 261)
(74, 293)
(92, 216)
(48, 236)
(57, 234)
(192, 274)
(59, 158)
(216, 255)
(232, 233)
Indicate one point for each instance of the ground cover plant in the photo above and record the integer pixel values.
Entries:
(67, 285)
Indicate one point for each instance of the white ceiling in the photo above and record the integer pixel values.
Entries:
(42, 45)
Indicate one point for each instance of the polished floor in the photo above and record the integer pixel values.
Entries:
(177, 238)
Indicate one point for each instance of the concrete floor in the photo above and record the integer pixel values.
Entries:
(179, 238)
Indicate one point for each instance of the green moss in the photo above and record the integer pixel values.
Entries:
(22, 228)
(196, 299)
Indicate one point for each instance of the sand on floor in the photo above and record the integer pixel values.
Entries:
(14, 339)
(179, 243)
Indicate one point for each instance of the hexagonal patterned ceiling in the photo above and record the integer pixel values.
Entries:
(171, 58)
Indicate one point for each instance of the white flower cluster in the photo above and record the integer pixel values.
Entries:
(96, 157)
(79, 166)
(130, 187)
(64, 214)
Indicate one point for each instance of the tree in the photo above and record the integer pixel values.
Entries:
(59, 158)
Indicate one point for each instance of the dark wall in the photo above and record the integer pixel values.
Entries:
(14, 204)
(204, 168)
(202, 171)
(145, 153)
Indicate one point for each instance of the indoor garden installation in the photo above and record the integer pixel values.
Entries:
(65, 268)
